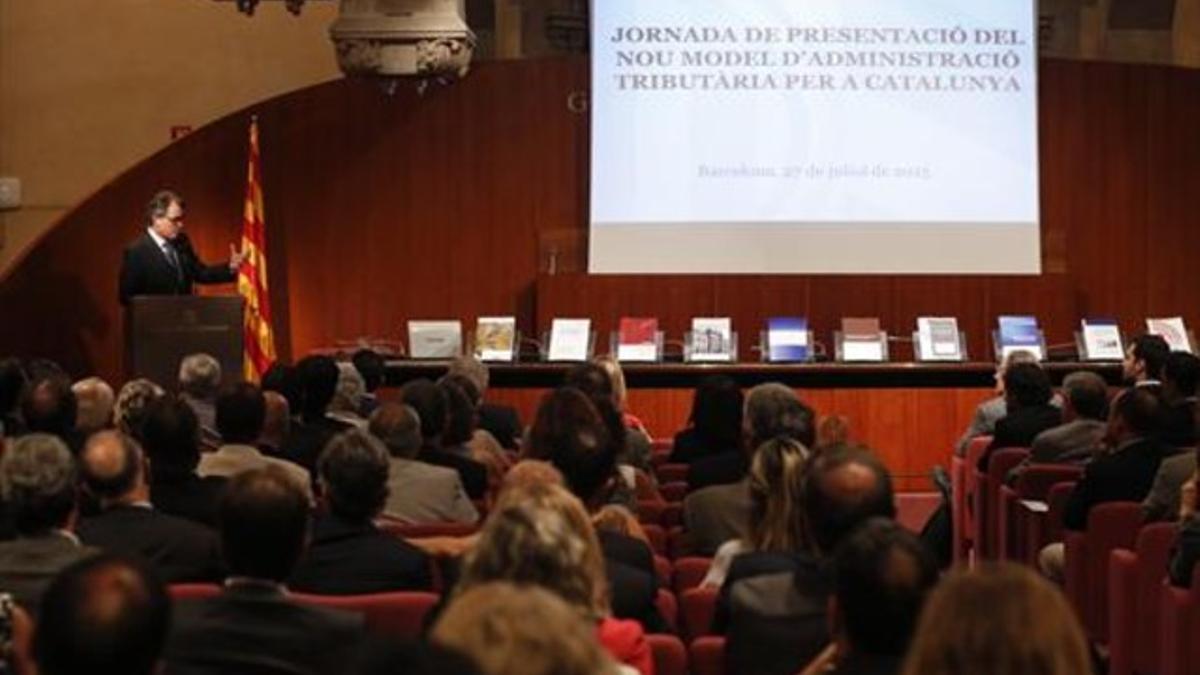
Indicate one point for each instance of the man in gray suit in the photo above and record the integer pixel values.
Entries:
(417, 492)
(1085, 415)
(714, 515)
(1162, 503)
(37, 480)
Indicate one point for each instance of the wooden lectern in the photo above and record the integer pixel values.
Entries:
(162, 329)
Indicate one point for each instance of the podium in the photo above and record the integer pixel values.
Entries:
(162, 329)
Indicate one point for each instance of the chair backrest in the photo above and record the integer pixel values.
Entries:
(671, 473)
(1110, 526)
(422, 530)
(400, 615)
(662, 570)
(696, 609)
(193, 591)
(1001, 462)
(670, 656)
(1037, 479)
(1154, 545)
(689, 572)
(975, 450)
(707, 655)
(1056, 503)
(656, 537)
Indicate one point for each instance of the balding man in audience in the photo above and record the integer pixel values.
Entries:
(417, 492)
(241, 410)
(106, 614)
(253, 624)
(276, 424)
(199, 382)
(171, 441)
(114, 471)
(95, 399)
(717, 514)
(773, 605)
(1081, 435)
(37, 481)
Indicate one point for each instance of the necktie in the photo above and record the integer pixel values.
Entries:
(173, 258)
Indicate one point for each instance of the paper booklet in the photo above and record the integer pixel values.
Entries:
(434, 339)
(861, 340)
(938, 338)
(1020, 333)
(1102, 340)
(1173, 331)
(637, 339)
(495, 338)
(787, 339)
(569, 339)
(712, 339)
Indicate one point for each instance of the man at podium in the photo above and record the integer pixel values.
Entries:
(161, 261)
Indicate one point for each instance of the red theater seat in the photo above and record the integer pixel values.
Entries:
(1135, 580)
(1109, 527)
(400, 615)
(670, 656)
(708, 655)
(689, 572)
(697, 607)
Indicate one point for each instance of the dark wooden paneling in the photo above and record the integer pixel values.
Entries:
(382, 208)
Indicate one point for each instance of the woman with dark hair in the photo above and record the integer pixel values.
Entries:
(459, 437)
(715, 425)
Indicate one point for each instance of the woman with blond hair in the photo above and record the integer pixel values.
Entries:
(541, 535)
(777, 522)
(997, 620)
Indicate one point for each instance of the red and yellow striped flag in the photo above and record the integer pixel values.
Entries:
(259, 340)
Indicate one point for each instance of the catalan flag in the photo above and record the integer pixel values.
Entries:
(259, 340)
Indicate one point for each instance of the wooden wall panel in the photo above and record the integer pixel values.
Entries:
(382, 208)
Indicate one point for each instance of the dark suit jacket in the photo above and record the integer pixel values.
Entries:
(180, 550)
(722, 469)
(347, 558)
(28, 564)
(146, 271)
(1123, 475)
(188, 496)
(633, 586)
(473, 474)
(689, 446)
(1179, 424)
(776, 613)
(1187, 552)
(1018, 428)
(252, 629)
(502, 422)
(307, 438)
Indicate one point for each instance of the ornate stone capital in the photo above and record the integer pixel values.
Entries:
(393, 38)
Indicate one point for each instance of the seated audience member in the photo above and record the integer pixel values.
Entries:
(997, 620)
(277, 421)
(171, 440)
(107, 614)
(1187, 551)
(569, 433)
(514, 630)
(1081, 435)
(481, 444)
(348, 555)
(983, 423)
(460, 429)
(373, 369)
(500, 421)
(285, 381)
(241, 410)
(318, 378)
(882, 575)
(252, 624)
(114, 472)
(631, 445)
(773, 605)
(541, 536)
(1027, 395)
(37, 482)
(94, 405)
(776, 521)
(1144, 361)
(431, 405)
(1125, 473)
(717, 514)
(12, 383)
(129, 412)
(199, 383)
(1181, 373)
(1162, 502)
(48, 406)
(348, 396)
(418, 493)
(616, 375)
(715, 424)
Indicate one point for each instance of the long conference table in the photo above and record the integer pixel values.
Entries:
(911, 414)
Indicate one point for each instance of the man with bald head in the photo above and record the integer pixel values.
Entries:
(94, 411)
(114, 471)
(276, 424)
(106, 614)
(775, 604)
